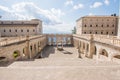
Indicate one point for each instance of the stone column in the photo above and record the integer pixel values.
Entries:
(81, 48)
(97, 55)
(27, 47)
(85, 49)
(79, 51)
(110, 55)
(90, 55)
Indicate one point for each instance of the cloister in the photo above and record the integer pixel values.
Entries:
(27, 47)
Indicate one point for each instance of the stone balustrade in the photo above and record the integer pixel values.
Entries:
(113, 40)
(88, 36)
(7, 40)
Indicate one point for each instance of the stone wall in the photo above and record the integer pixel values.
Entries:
(26, 48)
(105, 25)
(20, 28)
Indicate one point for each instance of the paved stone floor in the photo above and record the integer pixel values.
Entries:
(61, 65)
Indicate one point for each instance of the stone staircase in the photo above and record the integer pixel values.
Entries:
(66, 58)
(57, 65)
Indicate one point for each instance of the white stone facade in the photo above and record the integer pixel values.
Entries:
(105, 25)
(20, 28)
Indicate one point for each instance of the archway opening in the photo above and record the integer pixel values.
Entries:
(2, 58)
(16, 54)
(95, 50)
(104, 52)
(117, 56)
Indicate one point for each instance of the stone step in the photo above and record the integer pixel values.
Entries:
(72, 63)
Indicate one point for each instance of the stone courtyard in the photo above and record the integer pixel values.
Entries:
(61, 65)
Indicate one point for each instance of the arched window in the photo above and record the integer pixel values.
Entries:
(95, 32)
(84, 32)
(107, 25)
(85, 25)
(90, 32)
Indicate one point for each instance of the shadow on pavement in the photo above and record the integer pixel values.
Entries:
(47, 51)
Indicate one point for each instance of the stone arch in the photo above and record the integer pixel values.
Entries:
(2, 58)
(117, 56)
(16, 53)
(103, 52)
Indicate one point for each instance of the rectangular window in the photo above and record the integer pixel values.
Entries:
(10, 30)
(4, 30)
(21, 30)
(27, 30)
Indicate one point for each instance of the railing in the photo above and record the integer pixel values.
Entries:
(7, 40)
(88, 37)
(113, 40)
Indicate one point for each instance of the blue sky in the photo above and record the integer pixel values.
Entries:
(58, 16)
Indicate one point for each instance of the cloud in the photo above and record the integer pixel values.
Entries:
(4, 8)
(59, 28)
(90, 14)
(69, 2)
(28, 10)
(79, 6)
(96, 5)
(107, 2)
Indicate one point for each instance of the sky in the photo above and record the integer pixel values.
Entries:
(58, 16)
